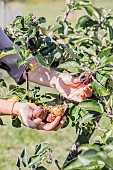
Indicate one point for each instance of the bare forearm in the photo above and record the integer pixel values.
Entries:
(8, 108)
(42, 75)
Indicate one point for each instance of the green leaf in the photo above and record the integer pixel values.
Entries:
(89, 10)
(19, 163)
(102, 79)
(50, 59)
(89, 116)
(66, 123)
(46, 98)
(71, 52)
(19, 62)
(41, 59)
(84, 2)
(63, 29)
(8, 52)
(105, 53)
(16, 122)
(76, 164)
(41, 20)
(24, 156)
(74, 111)
(108, 60)
(2, 83)
(41, 168)
(44, 31)
(98, 12)
(70, 3)
(106, 71)
(70, 66)
(84, 160)
(89, 51)
(12, 87)
(53, 28)
(110, 32)
(40, 149)
(98, 88)
(1, 122)
(90, 105)
(85, 21)
(32, 160)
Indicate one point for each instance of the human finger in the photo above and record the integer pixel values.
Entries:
(50, 126)
(37, 121)
(89, 85)
(77, 95)
(62, 121)
(30, 123)
(81, 97)
(58, 127)
(88, 91)
(75, 82)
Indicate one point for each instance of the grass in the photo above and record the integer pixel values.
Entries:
(51, 9)
(14, 140)
(48, 9)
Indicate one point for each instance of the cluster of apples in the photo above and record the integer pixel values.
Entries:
(49, 113)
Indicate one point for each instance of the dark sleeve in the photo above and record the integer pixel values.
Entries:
(8, 62)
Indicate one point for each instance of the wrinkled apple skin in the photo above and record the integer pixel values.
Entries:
(49, 113)
(58, 110)
(53, 112)
(40, 112)
(50, 118)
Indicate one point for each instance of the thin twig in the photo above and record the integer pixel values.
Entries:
(99, 128)
(58, 40)
(100, 24)
(66, 14)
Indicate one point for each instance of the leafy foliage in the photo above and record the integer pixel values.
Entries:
(42, 153)
(86, 45)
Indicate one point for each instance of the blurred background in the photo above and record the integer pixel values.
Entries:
(13, 140)
(50, 9)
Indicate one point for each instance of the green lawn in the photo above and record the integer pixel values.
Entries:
(14, 140)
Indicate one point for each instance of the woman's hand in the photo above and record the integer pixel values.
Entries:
(55, 125)
(72, 88)
(27, 114)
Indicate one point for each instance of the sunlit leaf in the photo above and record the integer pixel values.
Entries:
(102, 79)
(41, 168)
(40, 149)
(24, 156)
(3, 83)
(19, 163)
(89, 116)
(85, 21)
(89, 10)
(90, 105)
(110, 32)
(71, 66)
(99, 89)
